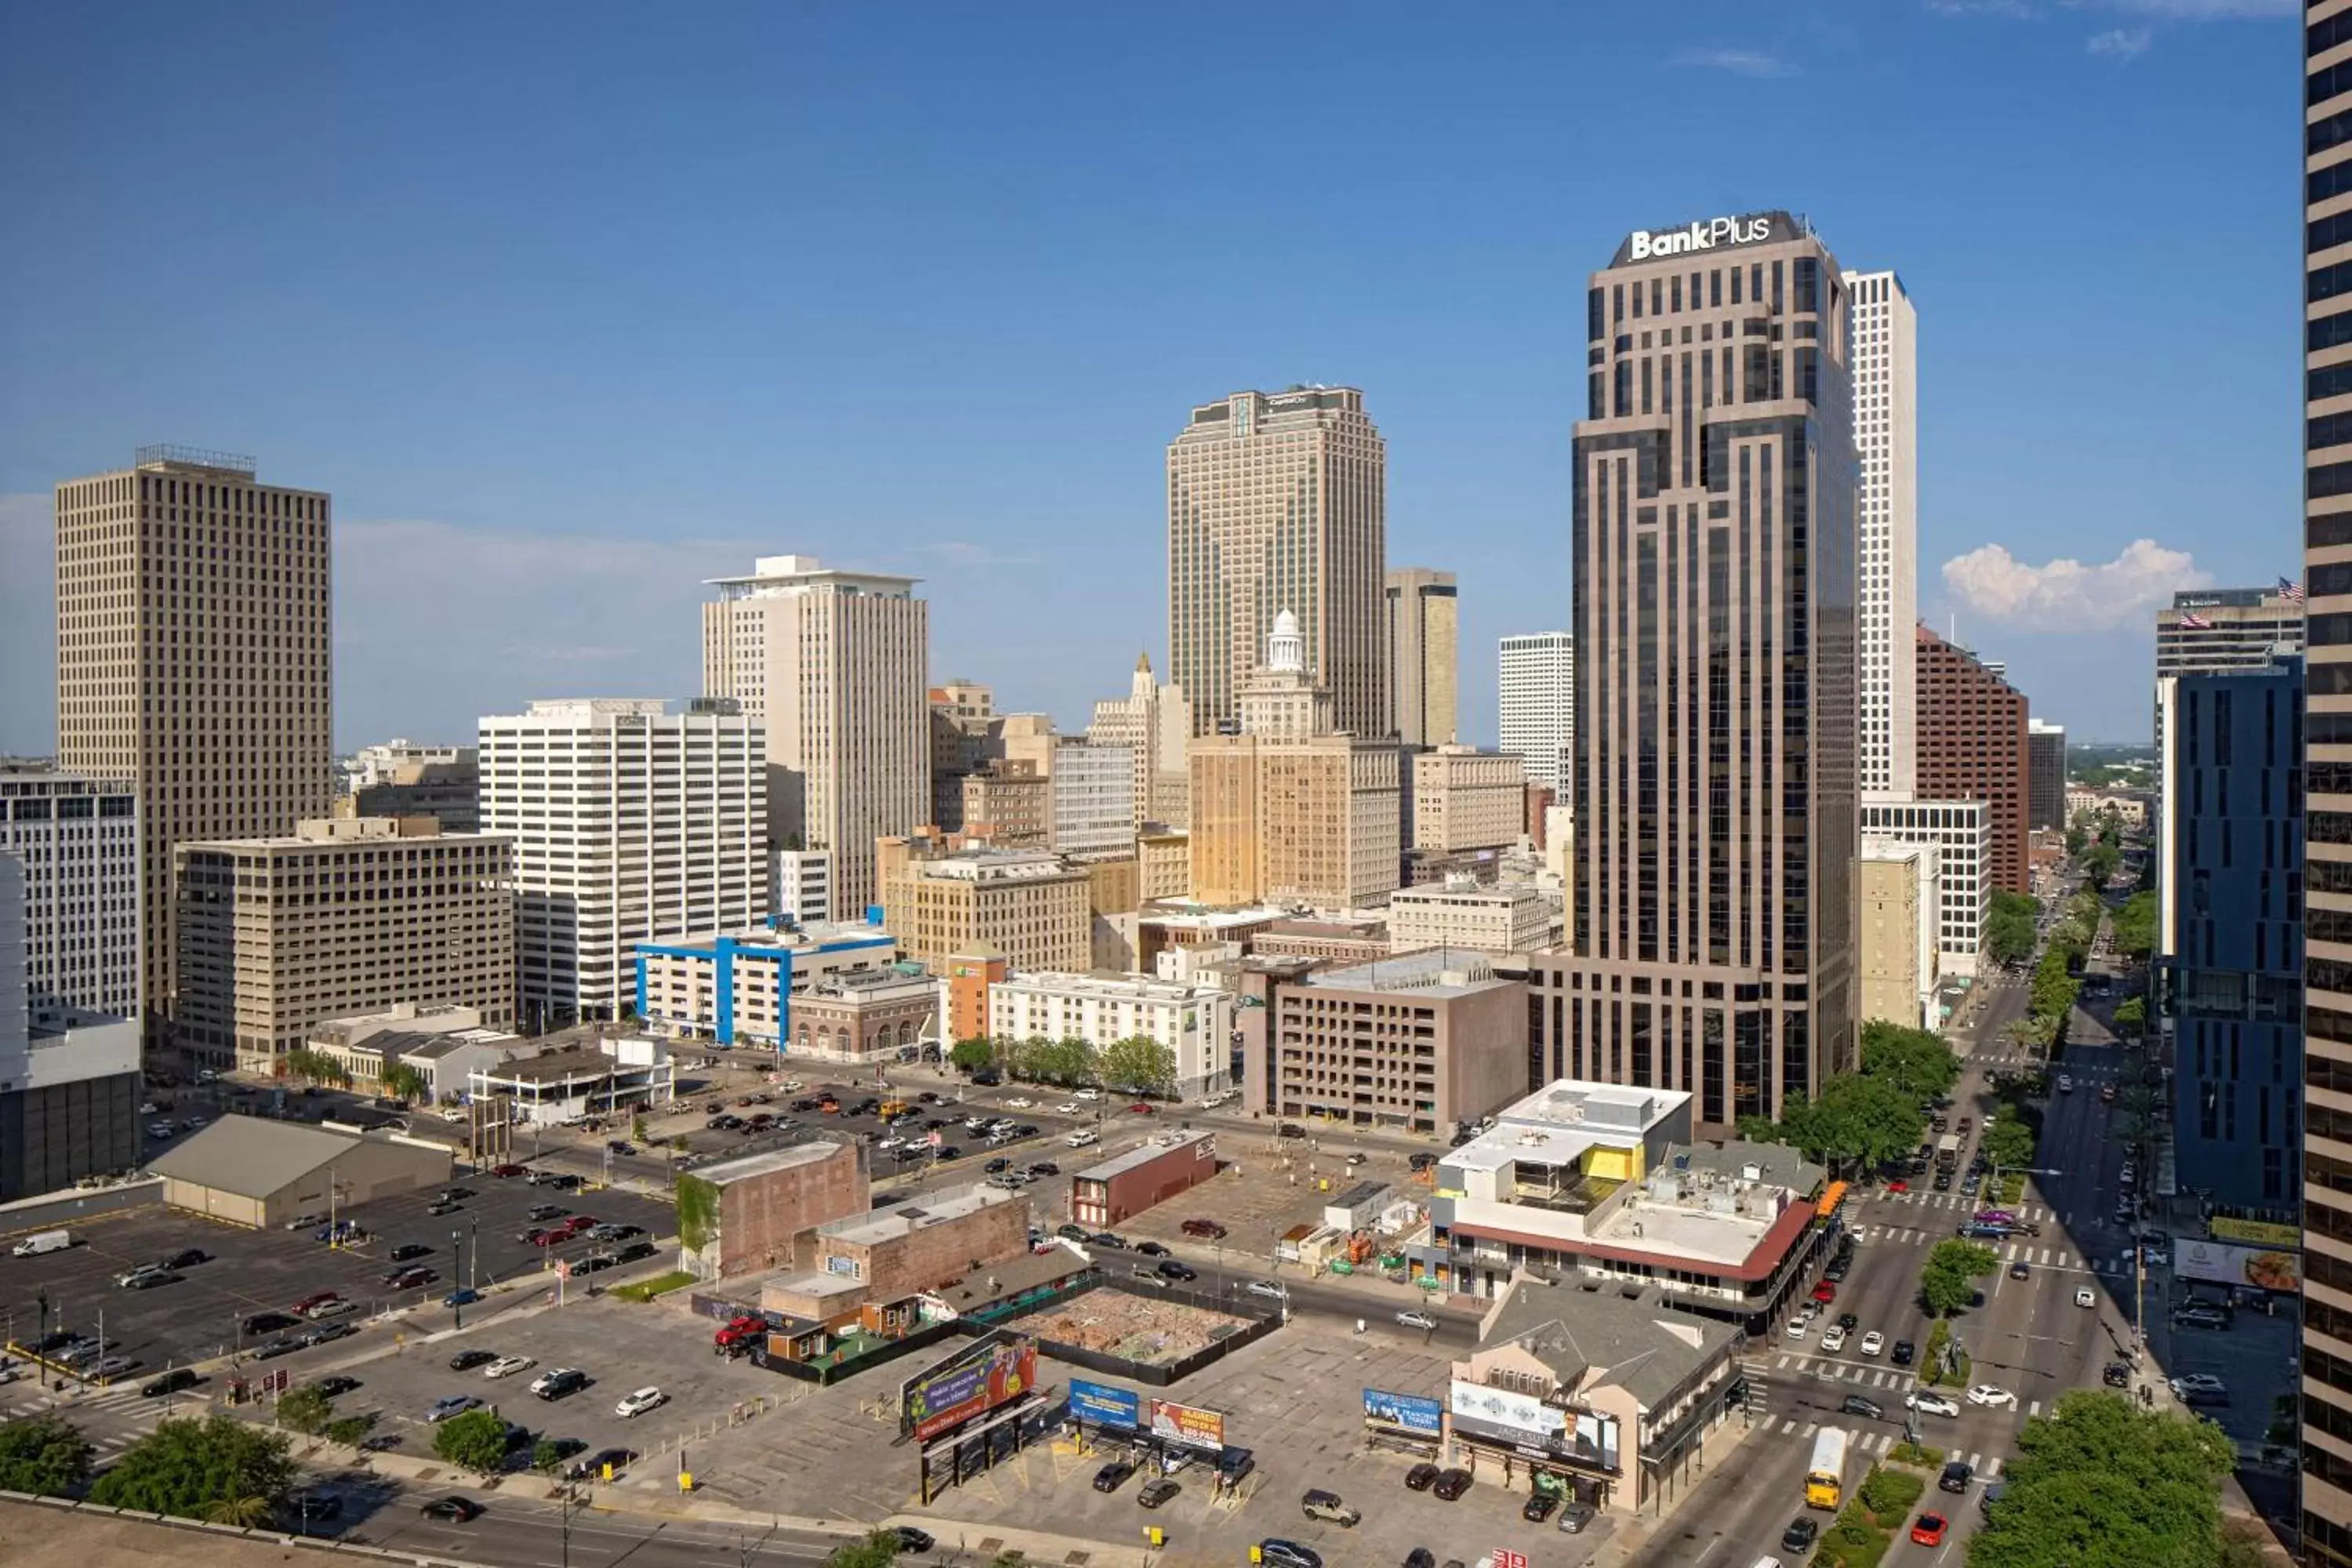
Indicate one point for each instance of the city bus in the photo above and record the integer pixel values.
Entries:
(1825, 1477)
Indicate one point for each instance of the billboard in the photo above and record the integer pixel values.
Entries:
(1425, 1417)
(1523, 1416)
(1188, 1423)
(1101, 1401)
(2219, 1263)
(972, 1382)
(2256, 1233)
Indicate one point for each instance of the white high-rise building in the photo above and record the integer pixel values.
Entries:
(630, 823)
(833, 664)
(1884, 358)
(1538, 706)
(1155, 724)
(79, 841)
(1094, 799)
(1960, 834)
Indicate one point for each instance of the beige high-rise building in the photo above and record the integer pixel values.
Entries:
(834, 663)
(340, 917)
(1290, 810)
(1895, 902)
(1421, 635)
(1155, 723)
(1279, 503)
(1464, 799)
(194, 659)
(1031, 906)
(1011, 804)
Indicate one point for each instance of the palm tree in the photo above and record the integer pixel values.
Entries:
(239, 1512)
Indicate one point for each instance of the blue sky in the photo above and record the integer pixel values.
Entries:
(574, 305)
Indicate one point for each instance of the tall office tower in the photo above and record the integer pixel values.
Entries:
(2228, 944)
(1279, 503)
(79, 841)
(1714, 785)
(1155, 723)
(1885, 347)
(1538, 706)
(2045, 784)
(629, 823)
(1421, 639)
(1972, 746)
(194, 660)
(336, 919)
(2326, 1316)
(2206, 630)
(834, 663)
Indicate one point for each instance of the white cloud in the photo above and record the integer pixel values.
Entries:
(2013, 10)
(2121, 42)
(1740, 62)
(2066, 595)
(2208, 10)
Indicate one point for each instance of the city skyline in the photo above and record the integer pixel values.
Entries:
(459, 516)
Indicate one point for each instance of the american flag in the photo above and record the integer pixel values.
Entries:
(2291, 592)
(2189, 623)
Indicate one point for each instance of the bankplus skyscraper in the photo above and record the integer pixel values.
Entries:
(1885, 330)
(194, 659)
(1714, 618)
(1279, 501)
(2326, 1189)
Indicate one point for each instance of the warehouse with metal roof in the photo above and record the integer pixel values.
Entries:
(253, 1171)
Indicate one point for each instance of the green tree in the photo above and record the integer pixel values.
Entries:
(2011, 928)
(402, 1082)
(1919, 1062)
(2078, 836)
(2135, 926)
(316, 1066)
(877, 1550)
(2009, 1144)
(306, 1410)
(475, 1440)
(971, 1056)
(1947, 1281)
(44, 1455)
(2100, 860)
(1855, 1120)
(349, 1430)
(1140, 1065)
(546, 1455)
(210, 1469)
(2098, 1483)
(2131, 1015)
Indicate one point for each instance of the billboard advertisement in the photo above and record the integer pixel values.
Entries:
(1521, 1417)
(2219, 1263)
(1411, 1412)
(972, 1382)
(1188, 1423)
(1101, 1401)
(2256, 1233)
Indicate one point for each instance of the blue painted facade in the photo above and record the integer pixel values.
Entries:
(2232, 942)
(725, 953)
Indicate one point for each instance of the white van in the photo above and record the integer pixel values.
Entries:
(43, 1241)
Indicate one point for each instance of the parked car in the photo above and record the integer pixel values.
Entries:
(1450, 1485)
(1327, 1506)
(508, 1365)
(1113, 1476)
(2116, 1374)
(1284, 1553)
(1207, 1229)
(560, 1381)
(619, 1459)
(451, 1405)
(1575, 1516)
(637, 1403)
(1172, 1270)
(1421, 1477)
(409, 1249)
(1157, 1490)
(1417, 1320)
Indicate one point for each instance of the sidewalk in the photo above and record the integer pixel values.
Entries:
(1633, 1535)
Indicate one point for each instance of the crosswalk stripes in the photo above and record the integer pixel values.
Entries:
(1986, 1469)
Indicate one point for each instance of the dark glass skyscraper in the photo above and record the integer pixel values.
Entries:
(1713, 620)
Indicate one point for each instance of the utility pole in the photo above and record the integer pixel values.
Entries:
(456, 1251)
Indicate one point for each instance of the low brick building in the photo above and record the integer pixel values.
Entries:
(890, 1253)
(1126, 1185)
(742, 1216)
(866, 1017)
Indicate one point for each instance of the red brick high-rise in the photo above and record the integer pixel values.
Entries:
(1972, 746)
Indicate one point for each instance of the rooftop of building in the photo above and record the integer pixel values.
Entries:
(817, 936)
(1370, 926)
(41, 776)
(252, 1156)
(1009, 1276)
(1107, 983)
(992, 863)
(1184, 914)
(353, 832)
(554, 1067)
(1635, 1341)
(931, 1208)
(609, 712)
(789, 1157)
(412, 1017)
(1142, 1154)
(1460, 890)
(433, 1047)
(1433, 971)
(780, 571)
(893, 983)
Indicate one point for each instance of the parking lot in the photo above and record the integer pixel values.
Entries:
(204, 1314)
